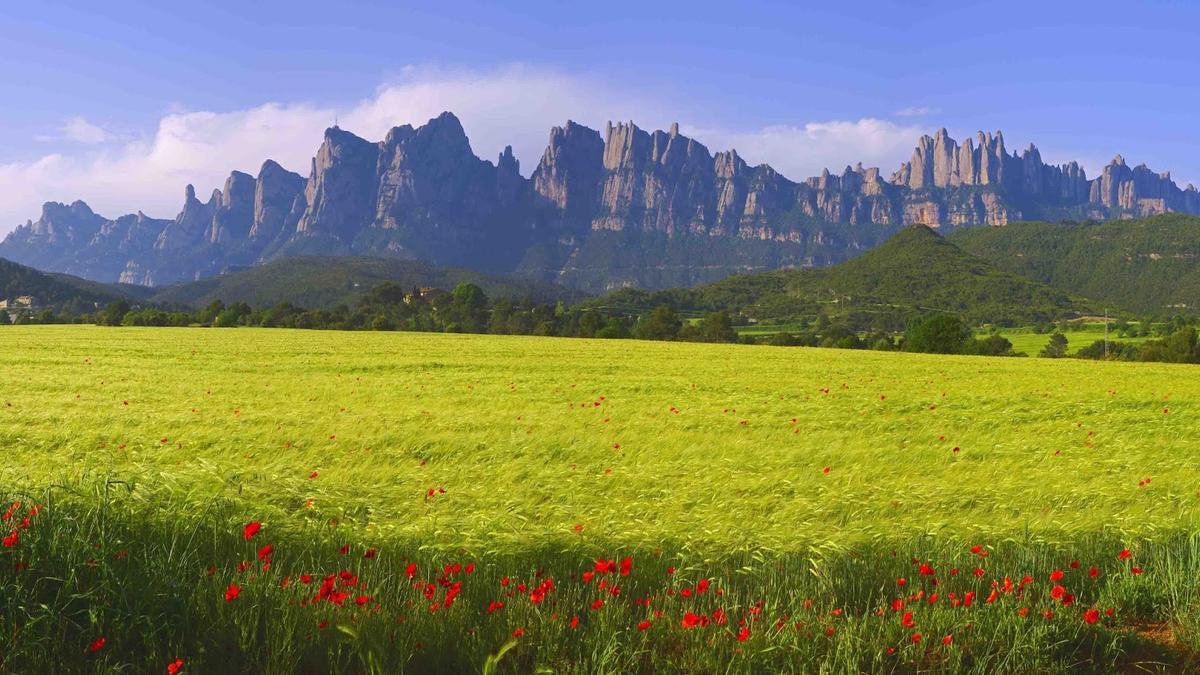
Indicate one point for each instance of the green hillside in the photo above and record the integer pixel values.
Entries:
(53, 290)
(1149, 265)
(916, 271)
(319, 281)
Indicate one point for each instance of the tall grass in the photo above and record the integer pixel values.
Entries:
(148, 450)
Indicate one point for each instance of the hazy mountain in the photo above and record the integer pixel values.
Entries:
(915, 272)
(600, 211)
(320, 282)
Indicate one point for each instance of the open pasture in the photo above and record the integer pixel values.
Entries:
(779, 508)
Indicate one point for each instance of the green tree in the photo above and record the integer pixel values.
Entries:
(661, 324)
(716, 327)
(1056, 348)
(937, 334)
(115, 313)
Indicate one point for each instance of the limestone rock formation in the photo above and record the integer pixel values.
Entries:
(600, 210)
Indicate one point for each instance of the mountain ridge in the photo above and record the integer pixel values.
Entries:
(600, 211)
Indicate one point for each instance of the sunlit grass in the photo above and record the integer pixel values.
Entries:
(785, 473)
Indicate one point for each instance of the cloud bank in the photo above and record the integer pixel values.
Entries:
(510, 106)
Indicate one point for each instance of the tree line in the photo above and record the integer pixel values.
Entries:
(468, 309)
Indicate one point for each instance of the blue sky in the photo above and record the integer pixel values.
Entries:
(121, 103)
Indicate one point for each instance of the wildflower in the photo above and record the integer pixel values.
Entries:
(1093, 572)
(1057, 592)
(574, 622)
(907, 620)
(251, 529)
(1056, 575)
(743, 634)
(949, 639)
(626, 566)
(494, 606)
(977, 549)
(1124, 554)
(312, 475)
(265, 552)
(11, 539)
(916, 637)
(174, 667)
(691, 620)
(411, 570)
(362, 600)
(702, 586)
(1135, 570)
(518, 632)
(1091, 616)
(232, 592)
(643, 625)
(926, 570)
(597, 604)
(97, 645)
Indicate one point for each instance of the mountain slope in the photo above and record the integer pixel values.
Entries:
(914, 272)
(1146, 265)
(53, 289)
(316, 282)
(599, 212)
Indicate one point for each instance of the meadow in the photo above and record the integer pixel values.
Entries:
(269, 500)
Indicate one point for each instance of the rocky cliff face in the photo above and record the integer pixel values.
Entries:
(599, 211)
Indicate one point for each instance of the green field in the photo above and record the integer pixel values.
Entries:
(1027, 341)
(802, 484)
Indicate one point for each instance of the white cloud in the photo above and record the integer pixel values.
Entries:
(917, 111)
(510, 106)
(801, 151)
(80, 130)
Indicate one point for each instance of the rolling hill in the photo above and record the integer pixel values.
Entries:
(916, 271)
(56, 290)
(319, 281)
(1149, 265)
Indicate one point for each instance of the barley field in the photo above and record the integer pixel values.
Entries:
(279, 501)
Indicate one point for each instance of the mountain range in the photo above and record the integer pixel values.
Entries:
(599, 212)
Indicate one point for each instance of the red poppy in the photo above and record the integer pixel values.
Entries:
(97, 645)
(907, 620)
(574, 622)
(916, 637)
(977, 549)
(11, 539)
(174, 667)
(370, 553)
(494, 605)
(411, 570)
(1091, 616)
(265, 552)
(825, 470)
(643, 625)
(926, 570)
(949, 639)
(232, 592)
(518, 632)
(1056, 575)
(1135, 570)
(251, 529)
(1124, 554)
(362, 600)
(743, 634)
(1093, 572)
(597, 604)
(626, 566)
(702, 586)
(691, 620)
(1057, 592)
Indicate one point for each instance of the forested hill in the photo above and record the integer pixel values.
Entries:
(319, 282)
(56, 290)
(1149, 265)
(916, 271)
